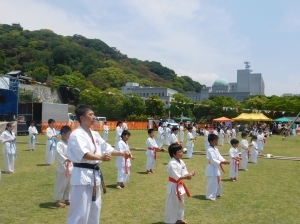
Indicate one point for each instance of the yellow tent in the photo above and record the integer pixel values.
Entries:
(251, 117)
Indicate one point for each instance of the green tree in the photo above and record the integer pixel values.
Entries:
(134, 105)
(62, 70)
(181, 105)
(40, 74)
(154, 106)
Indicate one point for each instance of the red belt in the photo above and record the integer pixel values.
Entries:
(154, 151)
(126, 166)
(178, 182)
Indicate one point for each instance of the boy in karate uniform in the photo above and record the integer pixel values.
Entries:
(181, 132)
(206, 133)
(173, 137)
(51, 142)
(105, 131)
(260, 141)
(177, 172)
(228, 135)
(32, 136)
(63, 169)
(222, 136)
(168, 134)
(190, 142)
(151, 151)
(245, 151)
(234, 160)
(212, 171)
(9, 150)
(160, 135)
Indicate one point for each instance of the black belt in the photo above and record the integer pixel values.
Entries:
(93, 167)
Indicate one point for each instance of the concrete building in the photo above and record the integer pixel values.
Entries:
(165, 94)
(247, 84)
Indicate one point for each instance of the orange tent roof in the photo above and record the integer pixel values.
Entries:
(222, 119)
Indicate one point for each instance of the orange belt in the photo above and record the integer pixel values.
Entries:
(154, 151)
(67, 169)
(126, 166)
(178, 182)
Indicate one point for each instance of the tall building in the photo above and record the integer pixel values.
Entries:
(247, 84)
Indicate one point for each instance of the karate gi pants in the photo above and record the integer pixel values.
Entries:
(244, 161)
(167, 140)
(221, 140)
(206, 144)
(122, 176)
(228, 140)
(189, 152)
(254, 154)
(31, 144)
(174, 209)
(82, 209)
(50, 155)
(150, 162)
(159, 142)
(62, 187)
(105, 137)
(233, 170)
(9, 162)
(213, 188)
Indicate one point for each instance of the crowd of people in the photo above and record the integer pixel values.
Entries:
(79, 152)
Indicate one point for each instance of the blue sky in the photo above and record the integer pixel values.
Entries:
(202, 39)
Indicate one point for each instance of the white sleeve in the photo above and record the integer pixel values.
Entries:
(172, 171)
(77, 147)
(60, 152)
(212, 160)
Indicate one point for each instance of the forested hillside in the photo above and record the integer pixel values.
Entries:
(47, 57)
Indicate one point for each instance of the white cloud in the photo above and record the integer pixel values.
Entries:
(203, 78)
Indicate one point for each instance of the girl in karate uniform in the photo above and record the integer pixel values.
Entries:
(177, 172)
(51, 142)
(32, 136)
(122, 163)
(9, 148)
(254, 149)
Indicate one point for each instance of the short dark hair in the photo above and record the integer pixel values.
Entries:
(244, 134)
(81, 111)
(150, 130)
(50, 121)
(31, 122)
(212, 137)
(175, 128)
(234, 141)
(119, 122)
(125, 132)
(253, 137)
(173, 148)
(189, 128)
(65, 129)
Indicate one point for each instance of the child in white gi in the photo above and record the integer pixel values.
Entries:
(194, 130)
(51, 142)
(119, 130)
(105, 131)
(206, 133)
(212, 171)
(222, 136)
(245, 151)
(260, 141)
(9, 150)
(233, 131)
(173, 137)
(32, 136)
(63, 169)
(177, 171)
(234, 160)
(254, 149)
(181, 132)
(122, 163)
(160, 135)
(151, 151)
(168, 134)
(190, 143)
(228, 135)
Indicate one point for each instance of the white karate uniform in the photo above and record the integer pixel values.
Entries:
(222, 136)
(120, 162)
(50, 145)
(63, 173)
(260, 142)
(189, 145)
(212, 172)
(125, 127)
(216, 132)
(32, 136)
(228, 137)
(119, 131)
(233, 152)
(233, 133)
(160, 136)
(194, 131)
(8, 150)
(150, 143)
(254, 152)
(244, 154)
(82, 208)
(105, 132)
(206, 143)
(181, 133)
(168, 134)
(173, 138)
(174, 209)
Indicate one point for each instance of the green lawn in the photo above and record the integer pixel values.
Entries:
(268, 192)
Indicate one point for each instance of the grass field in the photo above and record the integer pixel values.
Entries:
(268, 192)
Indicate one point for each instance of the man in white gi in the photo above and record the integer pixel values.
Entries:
(85, 149)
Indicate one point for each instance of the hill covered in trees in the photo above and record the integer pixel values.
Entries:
(49, 57)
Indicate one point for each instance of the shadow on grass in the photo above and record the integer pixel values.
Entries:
(200, 197)
(165, 163)
(142, 172)
(157, 223)
(226, 180)
(41, 165)
(49, 205)
(111, 186)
